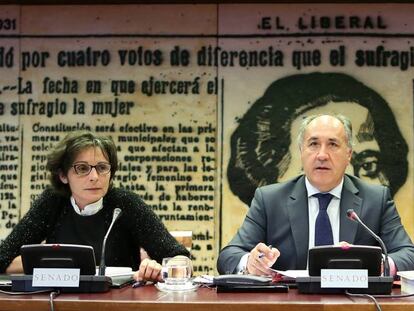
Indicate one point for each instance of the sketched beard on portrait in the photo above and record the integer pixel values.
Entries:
(263, 146)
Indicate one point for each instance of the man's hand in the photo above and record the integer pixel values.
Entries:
(344, 244)
(261, 258)
(149, 270)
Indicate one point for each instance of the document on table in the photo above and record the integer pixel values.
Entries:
(204, 279)
(117, 271)
(120, 276)
(292, 273)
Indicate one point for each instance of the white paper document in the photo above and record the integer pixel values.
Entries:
(204, 279)
(292, 273)
(117, 271)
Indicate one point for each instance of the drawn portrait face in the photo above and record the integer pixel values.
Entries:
(366, 156)
(264, 148)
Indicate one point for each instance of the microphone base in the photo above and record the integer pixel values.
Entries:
(87, 284)
(377, 285)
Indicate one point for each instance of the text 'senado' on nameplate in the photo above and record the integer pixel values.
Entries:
(48, 277)
(344, 278)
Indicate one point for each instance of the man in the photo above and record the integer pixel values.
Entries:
(263, 148)
(280, 226)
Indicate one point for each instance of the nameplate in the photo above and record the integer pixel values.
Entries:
(48, 277)
(344, 278)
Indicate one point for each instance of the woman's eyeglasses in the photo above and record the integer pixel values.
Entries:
(83, 169)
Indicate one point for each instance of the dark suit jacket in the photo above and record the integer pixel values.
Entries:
(278, 216)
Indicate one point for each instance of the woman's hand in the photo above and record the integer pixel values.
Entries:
(16, 266)
(149, 270)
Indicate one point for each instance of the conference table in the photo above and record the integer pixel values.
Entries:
(205, 299)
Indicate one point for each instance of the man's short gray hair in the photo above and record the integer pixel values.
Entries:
(344, 120)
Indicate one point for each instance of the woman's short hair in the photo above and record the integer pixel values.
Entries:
(61, 158)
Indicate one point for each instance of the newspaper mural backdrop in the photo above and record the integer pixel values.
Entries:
(204, 101)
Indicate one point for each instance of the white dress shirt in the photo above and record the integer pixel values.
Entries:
(332, 210)
(88, 210)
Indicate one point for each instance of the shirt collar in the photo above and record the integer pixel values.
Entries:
(336, 192)
(88, 210)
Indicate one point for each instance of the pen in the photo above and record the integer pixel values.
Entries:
(138, 284)
(261, 255)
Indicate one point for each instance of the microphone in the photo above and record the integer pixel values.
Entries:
(115, 216)
(353, 216)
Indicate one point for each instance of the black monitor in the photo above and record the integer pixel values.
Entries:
(58, 256)
(345, 257)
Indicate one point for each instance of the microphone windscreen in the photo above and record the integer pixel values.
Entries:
(116, 213)
(350, 214)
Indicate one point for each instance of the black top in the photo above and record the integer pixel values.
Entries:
(52, 219)
(85, 230)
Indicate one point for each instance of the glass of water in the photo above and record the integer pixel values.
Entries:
(176, 270)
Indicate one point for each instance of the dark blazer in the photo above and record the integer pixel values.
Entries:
(137, 227)
(278, 216)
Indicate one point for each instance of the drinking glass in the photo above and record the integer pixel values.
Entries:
(176, 270)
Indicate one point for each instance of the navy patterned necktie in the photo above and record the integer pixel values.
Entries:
(323, 229)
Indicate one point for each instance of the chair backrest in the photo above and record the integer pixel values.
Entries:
(184, 237)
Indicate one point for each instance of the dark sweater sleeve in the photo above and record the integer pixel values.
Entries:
(31, 229)
(146, 228)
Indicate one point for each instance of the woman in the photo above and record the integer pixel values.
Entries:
(78, 208)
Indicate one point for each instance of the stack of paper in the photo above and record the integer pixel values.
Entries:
(117, 271)
(407, 281)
